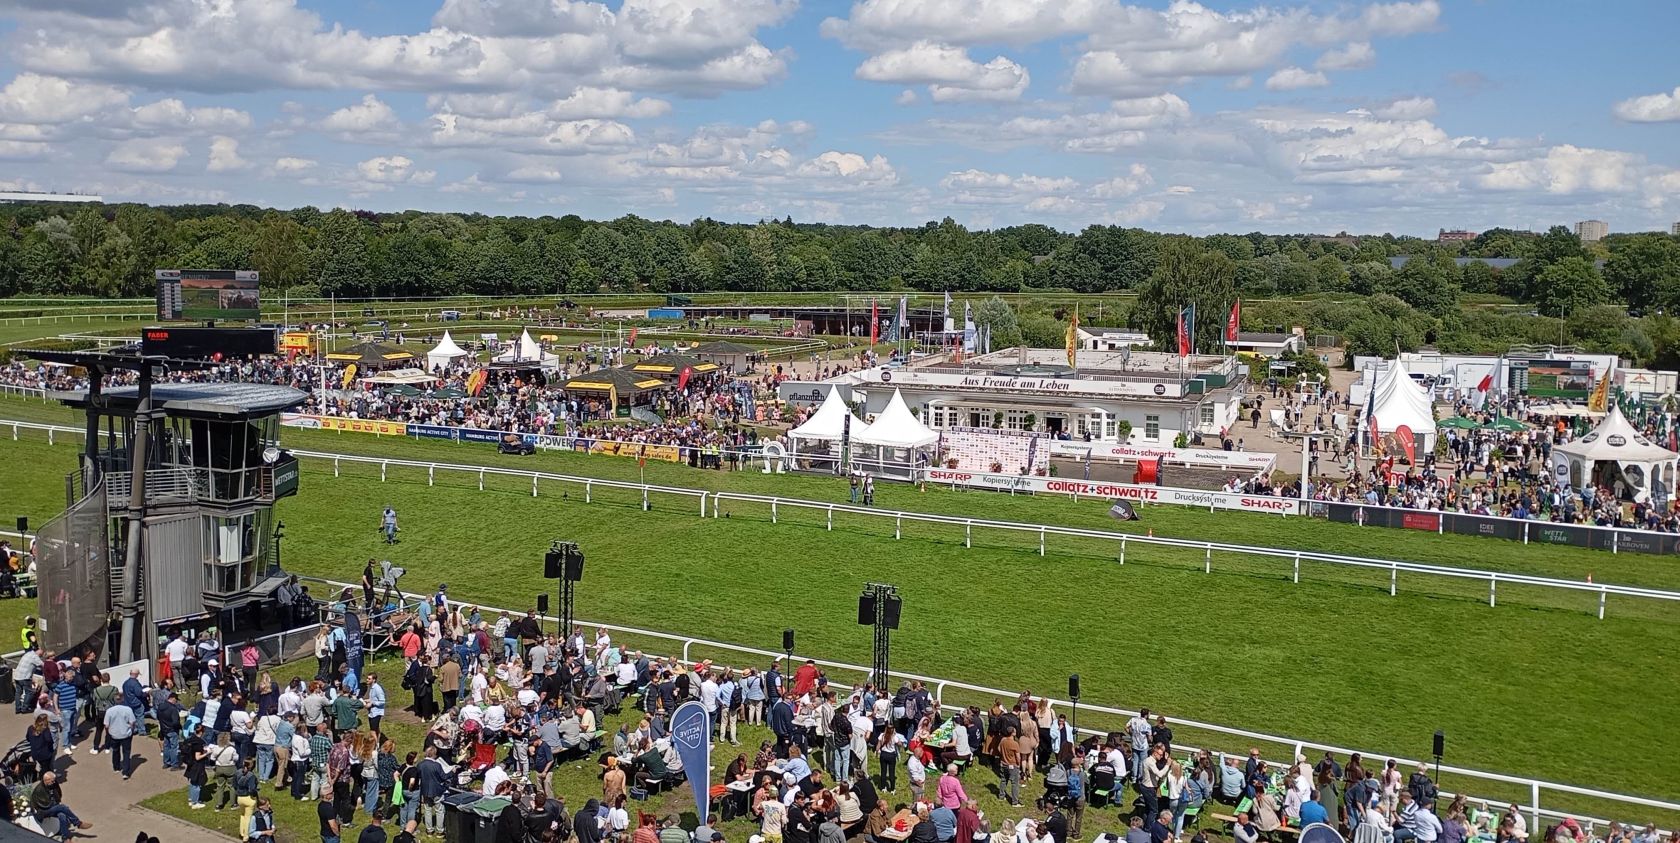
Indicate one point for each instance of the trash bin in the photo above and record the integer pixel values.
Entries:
(460, 824)
(484, 813)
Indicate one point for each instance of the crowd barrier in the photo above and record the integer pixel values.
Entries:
(1077, 489)
(1238, 739)
(1513, 529)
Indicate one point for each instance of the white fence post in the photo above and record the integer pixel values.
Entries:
(1535, 797)
(1041, 541)
(831, 518)
(481, 480)
(1493, 586)
(1393, 578)
(968, 534)
(533, 484)
(702, 504)
(1207, 561)
(772, 511)
(431, 475)
(898, 526)
(1601, 595)
(644, 498)
(588, 492)
(382, 466)
(1122, 551)
(50, 437)
(335, 466)
(1297, 578)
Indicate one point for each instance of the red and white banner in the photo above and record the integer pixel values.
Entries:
(1252, 461)
(1113, 491)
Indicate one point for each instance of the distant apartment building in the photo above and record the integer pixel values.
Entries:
(1457, 235)
(1674, 229)
(1591, 231)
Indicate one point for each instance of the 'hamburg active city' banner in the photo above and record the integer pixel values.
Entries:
(691, 732)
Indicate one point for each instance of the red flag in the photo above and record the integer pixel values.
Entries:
(874, 322)
(1233, 321)
(633, 330)
(1486, 384)
(682, 377)
(1183, 337)
(1403, 435)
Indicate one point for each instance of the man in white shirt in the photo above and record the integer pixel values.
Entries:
(709, 698)
(493, 779)
(471, 711)
(290, 702)
(176, 650)
(1138, 731)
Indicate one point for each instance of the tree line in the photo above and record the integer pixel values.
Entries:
(112, 250)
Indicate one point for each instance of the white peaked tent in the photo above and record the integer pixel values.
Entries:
(895, 427)
(828, 423)
(1615, 454)
(528, 352)
(817, 444)
(447, 352)
(902, 445)
(1401, 401)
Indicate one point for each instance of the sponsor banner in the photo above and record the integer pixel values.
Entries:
(1003, 383)
(691, 737)
(1416, 520)
(1247, 460)
(1114, 491)
(1475, 525)
(434, 431)
(339, 423)
(665, 453)
(810, 393)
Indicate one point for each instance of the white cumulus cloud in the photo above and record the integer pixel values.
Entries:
(224, 155)
(1294, 79)
(948, 71)
(146, 156)
(1653, 108)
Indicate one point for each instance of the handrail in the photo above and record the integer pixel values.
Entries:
(1536, 786)
(1393, 566)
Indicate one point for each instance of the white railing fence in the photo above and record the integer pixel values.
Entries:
(1537, 790)
(1121, 542)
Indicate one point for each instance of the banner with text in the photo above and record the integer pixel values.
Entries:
(1121, 491)
(1213, 457)
(341, 424)
(691, 736)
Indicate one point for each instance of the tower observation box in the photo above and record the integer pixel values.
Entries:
(170, 517)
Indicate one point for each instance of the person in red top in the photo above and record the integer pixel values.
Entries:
(410, 643)
(805, 678)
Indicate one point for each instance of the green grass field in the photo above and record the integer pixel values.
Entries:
(1334, 659)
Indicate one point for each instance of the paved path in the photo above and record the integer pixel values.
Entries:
(99, 795)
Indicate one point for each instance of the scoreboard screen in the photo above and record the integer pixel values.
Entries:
(207, 295)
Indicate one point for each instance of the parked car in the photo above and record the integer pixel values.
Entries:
(516, 445)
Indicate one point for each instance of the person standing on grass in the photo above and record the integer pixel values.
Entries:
(328, 815)
(1009, 767)
(388, 525)
(1139, 731)
(375, 703)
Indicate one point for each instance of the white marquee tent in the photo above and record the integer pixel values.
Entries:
(828, 423)
(1399, 402)
(446, 353)
(526, 351)
(817, 443)
(1617, 455)
(903, 445)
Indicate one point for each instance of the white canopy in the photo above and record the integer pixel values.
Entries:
(1617, 439)
(393, 376)
(1616, 454)
(1399, 400)
(445, 353)
(828, 423)
(527, 351)
(895, 427)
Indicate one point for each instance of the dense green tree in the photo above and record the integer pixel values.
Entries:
(1568, 286)
(999, 318)
(1186, 274)
(278, 255)
(1644, 270)
(1428, 284)
(344, 264)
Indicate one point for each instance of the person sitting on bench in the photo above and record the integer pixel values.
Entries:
(1231, 783)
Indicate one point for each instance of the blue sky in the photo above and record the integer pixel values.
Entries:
(1402, 116)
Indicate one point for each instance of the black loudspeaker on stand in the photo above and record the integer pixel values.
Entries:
(879, 606)
(564, 562)
(1073, 695)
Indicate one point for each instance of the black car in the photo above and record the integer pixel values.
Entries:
(515, 445)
